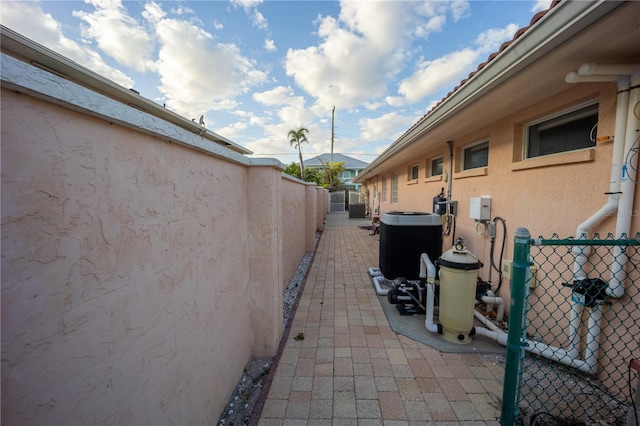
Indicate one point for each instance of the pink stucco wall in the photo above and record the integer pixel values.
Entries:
(138, 275)
(294, 225)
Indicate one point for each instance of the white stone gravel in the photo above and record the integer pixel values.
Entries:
(242, 402)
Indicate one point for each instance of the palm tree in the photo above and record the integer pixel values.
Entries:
(296, 137)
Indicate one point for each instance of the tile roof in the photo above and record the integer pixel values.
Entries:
(349, 162)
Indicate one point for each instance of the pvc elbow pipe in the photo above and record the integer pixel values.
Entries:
(498, 336)
(496, 301)
(427, 268)
(606, 69)
(377, 284)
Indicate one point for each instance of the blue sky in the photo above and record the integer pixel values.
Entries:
(256, 69)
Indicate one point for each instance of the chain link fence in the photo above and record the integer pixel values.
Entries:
(576, 332)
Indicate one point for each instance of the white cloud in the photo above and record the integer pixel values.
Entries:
(29, 20)
(117, 34)
(541, 5)
(197, 73)
(363, 49)
(447, 71)
(251, 9)
(386, 127)
(278, 96)
(270, 45)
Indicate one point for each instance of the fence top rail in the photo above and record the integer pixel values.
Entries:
(609, 241)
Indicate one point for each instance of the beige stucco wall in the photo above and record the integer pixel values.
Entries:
(139, 275)
(293, 224)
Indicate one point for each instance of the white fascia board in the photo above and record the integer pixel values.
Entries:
(561, 23)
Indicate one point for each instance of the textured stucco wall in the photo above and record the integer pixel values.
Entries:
(115, 287)
(293, 225)
(139, 274)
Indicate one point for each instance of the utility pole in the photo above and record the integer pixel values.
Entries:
(333, 111)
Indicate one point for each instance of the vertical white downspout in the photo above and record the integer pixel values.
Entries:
(428, 271)
(627, 188)
(626, 124)
(581, 253)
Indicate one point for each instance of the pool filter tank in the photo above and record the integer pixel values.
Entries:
(458, 282)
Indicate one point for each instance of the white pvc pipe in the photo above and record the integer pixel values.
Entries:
(427, 268)
(559, 355)
(606, 69)
(498, 336)
(584, 230)
(377, 283)
(574, 77)
(627, 188)
(574, 327)
(428, 271)
(494, 300)
(593, 338)
(428, 321)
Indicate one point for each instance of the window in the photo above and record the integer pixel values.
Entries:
(566, 132)
(394, 189)
(384, 188)
(475, 156)
(347, 174)
(414, 172)
(436, 166)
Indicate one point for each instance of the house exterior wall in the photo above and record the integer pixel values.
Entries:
(140, 270)
(554, 195)
(547, 195)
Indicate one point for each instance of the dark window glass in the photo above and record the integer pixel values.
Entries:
(565, 133)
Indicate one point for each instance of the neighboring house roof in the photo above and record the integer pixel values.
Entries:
(523, 72)
(18, 46)
(349, 162)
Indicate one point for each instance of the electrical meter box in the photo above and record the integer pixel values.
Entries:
(480, 208)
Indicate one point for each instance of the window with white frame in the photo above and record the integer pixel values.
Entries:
(437, 165)
(414, 172)
(384, 188)
(568, 131)
(394, 189)
(475, 156)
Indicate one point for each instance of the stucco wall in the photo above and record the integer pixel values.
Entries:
(139, 275)
(547, 195)
(293, 225)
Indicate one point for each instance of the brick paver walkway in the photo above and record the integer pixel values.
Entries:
(352, 369)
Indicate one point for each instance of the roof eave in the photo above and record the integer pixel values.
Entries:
(562, 22)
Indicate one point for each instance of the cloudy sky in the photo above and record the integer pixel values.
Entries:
(257, 69)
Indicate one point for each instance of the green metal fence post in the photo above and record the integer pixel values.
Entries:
(520, 272)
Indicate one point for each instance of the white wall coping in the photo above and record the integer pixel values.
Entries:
(25, 78)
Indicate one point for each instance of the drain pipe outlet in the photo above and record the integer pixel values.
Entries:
(378, 281)
(490, 330)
